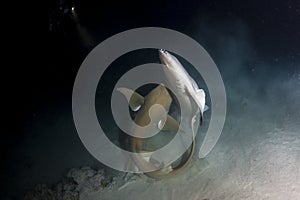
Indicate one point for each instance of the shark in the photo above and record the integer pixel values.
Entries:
(146, 114)
(183, 83)
(143, 117)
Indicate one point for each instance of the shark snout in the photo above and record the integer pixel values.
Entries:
(162, 51)
(164, 57)
(162, 54)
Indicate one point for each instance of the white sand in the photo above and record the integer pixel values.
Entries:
(257, 156)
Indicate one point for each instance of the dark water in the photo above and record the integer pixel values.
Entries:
(256, 48)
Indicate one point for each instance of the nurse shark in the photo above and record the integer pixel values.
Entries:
(145, 117)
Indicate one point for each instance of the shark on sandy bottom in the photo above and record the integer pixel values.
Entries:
(182, 82)
(142, 105)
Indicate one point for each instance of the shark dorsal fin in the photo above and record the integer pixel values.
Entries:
(135, 100)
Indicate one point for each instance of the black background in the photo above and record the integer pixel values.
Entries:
(42, 63)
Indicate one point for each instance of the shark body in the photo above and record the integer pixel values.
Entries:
(187, 89)
(183, 83)
(142, 106)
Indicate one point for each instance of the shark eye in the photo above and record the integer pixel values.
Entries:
(163, 50)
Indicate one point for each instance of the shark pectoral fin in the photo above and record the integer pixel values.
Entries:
(201, 102)
(171, 124)
(201, 98)
(206, 108)
(135, 100)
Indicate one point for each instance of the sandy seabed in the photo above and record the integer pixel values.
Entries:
(256, 157)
